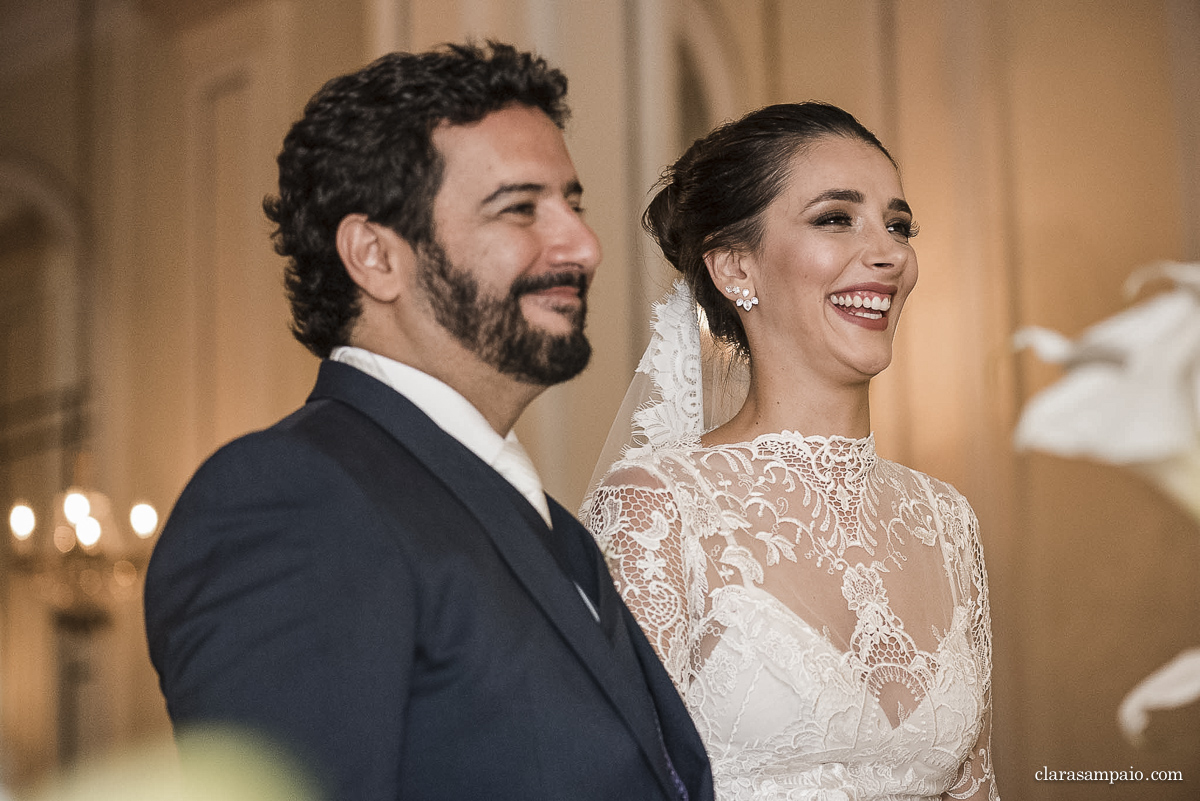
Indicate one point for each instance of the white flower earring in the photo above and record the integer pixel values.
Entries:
(742, 297)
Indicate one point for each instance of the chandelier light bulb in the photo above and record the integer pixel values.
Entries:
(87, 531)
(144, 519)
(21, 521)
(76, 507)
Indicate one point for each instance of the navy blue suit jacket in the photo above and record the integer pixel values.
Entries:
(357, 585)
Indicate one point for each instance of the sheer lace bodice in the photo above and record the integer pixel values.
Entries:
(822, 611)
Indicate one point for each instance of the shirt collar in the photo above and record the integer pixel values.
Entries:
(453, 413)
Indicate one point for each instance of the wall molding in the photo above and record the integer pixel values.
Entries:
(236, 73)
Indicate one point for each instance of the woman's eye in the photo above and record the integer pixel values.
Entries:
(836, 218)
(904, 228)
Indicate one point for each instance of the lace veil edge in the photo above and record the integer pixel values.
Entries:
(686, 383)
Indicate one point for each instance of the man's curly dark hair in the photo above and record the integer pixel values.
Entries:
(365, 146)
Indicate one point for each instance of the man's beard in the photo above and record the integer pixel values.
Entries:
(495, 328)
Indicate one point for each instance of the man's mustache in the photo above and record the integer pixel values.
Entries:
(536, 283)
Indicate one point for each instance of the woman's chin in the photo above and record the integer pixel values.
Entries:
(869, 367)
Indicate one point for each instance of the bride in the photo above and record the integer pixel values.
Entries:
(823, 611)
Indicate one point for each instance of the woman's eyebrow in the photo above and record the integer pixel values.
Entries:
(847, 195)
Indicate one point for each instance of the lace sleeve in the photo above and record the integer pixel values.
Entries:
(636, 523)
(976, 778)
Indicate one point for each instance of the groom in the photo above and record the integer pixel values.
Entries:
(378, 582)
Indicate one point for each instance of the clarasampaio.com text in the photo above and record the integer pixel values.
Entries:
(1110, 776)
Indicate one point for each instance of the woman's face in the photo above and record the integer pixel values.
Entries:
(835, 264)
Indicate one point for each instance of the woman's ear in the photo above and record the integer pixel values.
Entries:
(377, 259)
(730, 273)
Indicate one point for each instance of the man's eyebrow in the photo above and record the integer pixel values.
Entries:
(570, 189)
(510, 189)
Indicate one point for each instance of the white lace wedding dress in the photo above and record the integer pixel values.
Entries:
(822, 611)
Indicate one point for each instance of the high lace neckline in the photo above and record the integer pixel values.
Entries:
(858, 445)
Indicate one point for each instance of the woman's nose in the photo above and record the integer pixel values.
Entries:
(885, 248)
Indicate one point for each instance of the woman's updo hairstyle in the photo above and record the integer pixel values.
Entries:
(714, 196)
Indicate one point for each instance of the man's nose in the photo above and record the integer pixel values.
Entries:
(574, 241)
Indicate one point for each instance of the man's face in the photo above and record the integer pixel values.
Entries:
(508, 271)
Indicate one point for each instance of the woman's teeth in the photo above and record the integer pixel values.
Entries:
(876, 302)
(868, 306)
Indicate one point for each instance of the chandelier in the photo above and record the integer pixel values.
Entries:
(80, 556)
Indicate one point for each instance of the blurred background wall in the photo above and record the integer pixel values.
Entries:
(1048, 148)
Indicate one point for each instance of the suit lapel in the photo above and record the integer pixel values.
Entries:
(605, 649)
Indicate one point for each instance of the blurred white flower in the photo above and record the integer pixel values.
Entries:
(1133, 381)
(203, 764)
(1175, 684)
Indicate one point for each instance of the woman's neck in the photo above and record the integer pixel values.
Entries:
(781, 403)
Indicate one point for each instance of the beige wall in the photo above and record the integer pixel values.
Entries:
(1042, 146)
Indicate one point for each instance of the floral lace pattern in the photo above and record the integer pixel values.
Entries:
(673, 362)
(822, 611)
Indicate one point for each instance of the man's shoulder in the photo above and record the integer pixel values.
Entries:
(279, 453)
(296, 431)
(327, 448)
(282, 483)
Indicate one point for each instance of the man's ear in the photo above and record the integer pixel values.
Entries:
(729, 268)
(377, 258)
